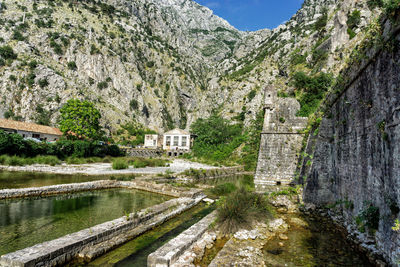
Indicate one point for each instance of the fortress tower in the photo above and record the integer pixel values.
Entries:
(280, 141)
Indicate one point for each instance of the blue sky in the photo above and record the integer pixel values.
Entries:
(251, 15)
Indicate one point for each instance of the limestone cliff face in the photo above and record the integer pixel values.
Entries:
(356, 168)
(146, 60)
(161, 63)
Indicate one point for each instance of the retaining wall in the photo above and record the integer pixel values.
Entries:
(98, 185)
(64, 249)
(170, 252)
(143, 153)
(211, 173)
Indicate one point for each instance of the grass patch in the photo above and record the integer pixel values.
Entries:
(240, 209)
(79, 160)
(148, 162)
(20, 161)
(120, 164)
(290, 191)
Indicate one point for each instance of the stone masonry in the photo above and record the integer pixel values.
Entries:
(280, 141)
(168, 254)
(96, 240)
(356, 163)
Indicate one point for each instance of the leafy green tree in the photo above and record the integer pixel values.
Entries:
(216, 138)
(80, 119)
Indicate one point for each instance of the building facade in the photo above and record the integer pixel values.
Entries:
(152, 141)
(31, 130)
(177, 140)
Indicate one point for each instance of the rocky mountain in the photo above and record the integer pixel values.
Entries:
(162, 63)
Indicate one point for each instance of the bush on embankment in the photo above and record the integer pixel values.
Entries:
(240, 208)
(120, 164)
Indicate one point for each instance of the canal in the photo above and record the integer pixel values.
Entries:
(28, 179)
(26, 222)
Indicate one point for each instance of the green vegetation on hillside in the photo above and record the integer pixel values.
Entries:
(131, 134)
(220, 141)
(216, 138)
(310, 91)
(353, 20)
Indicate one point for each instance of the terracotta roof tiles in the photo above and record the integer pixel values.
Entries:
(29, 127)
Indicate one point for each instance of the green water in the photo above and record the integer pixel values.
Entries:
(319, 243)
(26, 222)
(27, 179)
(135, 252)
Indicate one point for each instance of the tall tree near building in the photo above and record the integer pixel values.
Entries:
(80, 119)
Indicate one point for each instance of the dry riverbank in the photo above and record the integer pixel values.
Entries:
(176, 166)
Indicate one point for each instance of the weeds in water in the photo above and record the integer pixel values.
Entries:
(183, 184)
(240, 209)
(123, 178)
(223, 189)
(193, 173)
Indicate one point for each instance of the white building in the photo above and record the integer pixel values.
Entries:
(177, 139)
(151, 141)
(32, 130)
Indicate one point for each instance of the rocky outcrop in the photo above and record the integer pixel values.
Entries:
(160, 63)
(355, 171)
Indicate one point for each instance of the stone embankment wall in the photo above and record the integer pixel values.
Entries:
(94, 241)
(356, 166)
(167, 255)
(281, 141)
(202, 174)
(58, 189)
(143, 153)
(163, 189)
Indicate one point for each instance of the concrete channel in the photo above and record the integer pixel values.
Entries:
(92, 242)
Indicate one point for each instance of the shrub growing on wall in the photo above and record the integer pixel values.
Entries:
(310, 90)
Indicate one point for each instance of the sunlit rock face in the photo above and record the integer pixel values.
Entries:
(161, 63)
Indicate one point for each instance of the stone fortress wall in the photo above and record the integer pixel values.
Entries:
(356, 162)
(281, 141)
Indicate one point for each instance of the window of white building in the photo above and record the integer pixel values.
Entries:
(184, 140)
(168, 141)
(176, 140)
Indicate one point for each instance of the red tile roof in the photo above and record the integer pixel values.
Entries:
(28, 127)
